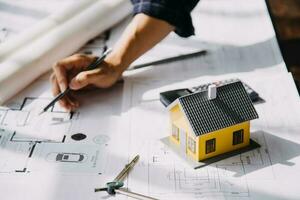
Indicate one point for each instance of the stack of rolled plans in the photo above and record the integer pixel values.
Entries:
(32, 53)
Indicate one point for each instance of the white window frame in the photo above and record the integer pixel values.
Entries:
(191, 144)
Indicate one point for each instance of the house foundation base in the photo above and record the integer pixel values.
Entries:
(178, 151)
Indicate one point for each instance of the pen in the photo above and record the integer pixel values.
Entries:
(92, 66)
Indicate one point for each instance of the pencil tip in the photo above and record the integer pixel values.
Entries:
(41, 112)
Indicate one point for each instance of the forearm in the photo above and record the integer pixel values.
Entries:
(143, 33)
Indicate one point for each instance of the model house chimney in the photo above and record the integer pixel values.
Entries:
(212, 91)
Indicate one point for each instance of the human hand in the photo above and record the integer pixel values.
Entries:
(69, 72)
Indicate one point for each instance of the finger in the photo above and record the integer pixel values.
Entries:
(60, 75)
(55, 88)
(80, 81)
(71, 63)
(77, 61)
(73, 101)
(82, 60)
(64, 102)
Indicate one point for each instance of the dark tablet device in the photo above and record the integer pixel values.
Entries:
(168, 97)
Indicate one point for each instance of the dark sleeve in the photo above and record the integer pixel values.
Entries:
(175, 12)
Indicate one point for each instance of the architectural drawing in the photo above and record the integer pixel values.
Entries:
(40, 140)
(73, 154)
(170, 177)
(224, 178)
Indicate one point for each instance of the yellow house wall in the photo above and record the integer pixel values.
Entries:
(175, 114)
(177, 118)
(224, 139)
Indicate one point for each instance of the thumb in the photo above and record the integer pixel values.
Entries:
(79, 81)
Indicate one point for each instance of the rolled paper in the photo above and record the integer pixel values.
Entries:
(35, 58)
(42, 27)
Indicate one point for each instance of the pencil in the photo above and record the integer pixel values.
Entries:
(92, 66)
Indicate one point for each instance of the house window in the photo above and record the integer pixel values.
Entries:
(191, 144)
(175, 132)
(210, 146)
(238, 137)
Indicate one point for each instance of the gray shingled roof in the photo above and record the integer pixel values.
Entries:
(232, 106)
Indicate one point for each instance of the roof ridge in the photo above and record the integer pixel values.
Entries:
(226, 84)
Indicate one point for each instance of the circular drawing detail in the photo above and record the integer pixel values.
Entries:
(101, 139)
(78, 136)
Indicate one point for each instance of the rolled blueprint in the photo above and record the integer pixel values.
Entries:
(42, 27)
(29, 62)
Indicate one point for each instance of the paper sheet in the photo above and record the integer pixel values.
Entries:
(34, 59)
(242, 176)
(32, 150)
(43, 26)
(125, 121)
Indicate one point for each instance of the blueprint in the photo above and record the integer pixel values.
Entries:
(31, 141)
(61, 155)
(56, 142)
(238, 177)
(28, 140)
(86, 145)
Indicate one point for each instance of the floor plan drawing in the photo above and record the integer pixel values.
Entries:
(224, 178)
(227, 178)
(167, 175)
(32, 136)
(30, 126)
(61, 155)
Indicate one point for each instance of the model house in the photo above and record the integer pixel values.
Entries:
(212, 122)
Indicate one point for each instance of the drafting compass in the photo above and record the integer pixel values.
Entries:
(115, 187)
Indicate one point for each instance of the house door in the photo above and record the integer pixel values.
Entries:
(182, 135)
